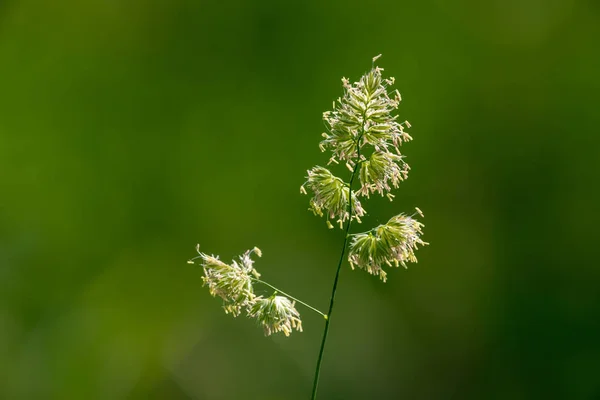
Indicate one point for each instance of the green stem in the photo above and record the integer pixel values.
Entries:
(337, 275)
(291, 297)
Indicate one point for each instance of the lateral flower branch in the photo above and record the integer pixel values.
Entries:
(234, 284)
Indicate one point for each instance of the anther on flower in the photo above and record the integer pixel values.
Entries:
(231, 282)
(276, 314)
(389, 244)
(331, 196)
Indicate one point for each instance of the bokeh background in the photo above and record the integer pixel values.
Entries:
(132, 130)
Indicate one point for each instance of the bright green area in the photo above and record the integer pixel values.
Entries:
(132, 130)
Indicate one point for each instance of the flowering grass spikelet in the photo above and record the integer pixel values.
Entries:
(391, 244)
(331, 196)
(231, 282)
(365, 112)
(379, 171)
(276, 314)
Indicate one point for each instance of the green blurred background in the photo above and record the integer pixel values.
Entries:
(132, 130)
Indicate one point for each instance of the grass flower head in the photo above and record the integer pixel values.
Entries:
(276, 314)
(231, 282)
(390, 244)
(331, 196)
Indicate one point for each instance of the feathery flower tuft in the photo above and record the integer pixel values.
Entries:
(276, 314)
(364, 111)
(232, 283)
(331, 196)
(392, 244)
(379, 171)
(361, 117)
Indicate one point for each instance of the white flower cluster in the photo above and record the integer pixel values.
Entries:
(234, 284)
(363, 133)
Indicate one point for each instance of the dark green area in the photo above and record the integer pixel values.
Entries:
(132, 130)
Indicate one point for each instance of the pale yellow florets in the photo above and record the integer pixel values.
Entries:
(276, 314)
(331, 196)
(381, 172)
(390, 244)
(363, 116)
(234, 284)
(363, 132)
(231, 282)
